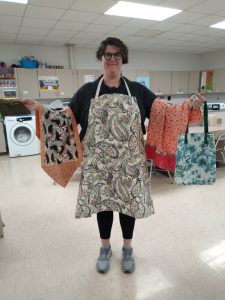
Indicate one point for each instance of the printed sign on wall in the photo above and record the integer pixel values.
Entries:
(7, 78)
(7, 73)
(9, 94)
(48, 83)
(207, 81)
(89, 78)
(144, 80)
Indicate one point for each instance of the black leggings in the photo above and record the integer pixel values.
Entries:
(105, 221)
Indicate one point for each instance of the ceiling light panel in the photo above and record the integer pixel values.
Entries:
(15, 1)
(141, 11)
(220, 25)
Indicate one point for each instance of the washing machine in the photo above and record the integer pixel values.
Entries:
(21, 135)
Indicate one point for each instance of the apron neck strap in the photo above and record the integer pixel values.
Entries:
(100, 83)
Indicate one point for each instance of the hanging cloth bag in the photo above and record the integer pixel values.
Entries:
(196, 156)
(61, 152)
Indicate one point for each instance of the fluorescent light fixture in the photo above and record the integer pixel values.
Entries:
(16, 1)
(141, 11)
(220, 25)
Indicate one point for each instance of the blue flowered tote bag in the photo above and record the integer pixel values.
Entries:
(196, 156)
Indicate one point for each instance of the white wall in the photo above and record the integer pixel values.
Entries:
(164, 61)
(215, 60)
(85, 58)
(9, 53)
(140, 60)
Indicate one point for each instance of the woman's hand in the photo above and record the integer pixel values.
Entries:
(32, 105)
(196, 101)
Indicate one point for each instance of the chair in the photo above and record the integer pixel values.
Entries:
(151, 167)
(220, 148)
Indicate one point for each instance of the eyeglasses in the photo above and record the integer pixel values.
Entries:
(116, 56)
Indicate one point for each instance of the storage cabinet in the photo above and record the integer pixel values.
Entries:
(75, 80)
(65, 80)
(99, 73)
(78, 77)
(130, 74)
(219, 80)
(66, 83)
(194, 82)
(219, 115)
(84, 76)
(160, 82)
(28, 83)
(48, 93)
(180, 82)
(9, 93)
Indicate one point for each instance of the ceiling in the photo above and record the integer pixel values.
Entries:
(83, 23)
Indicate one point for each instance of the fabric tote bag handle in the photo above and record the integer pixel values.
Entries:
(206, 126)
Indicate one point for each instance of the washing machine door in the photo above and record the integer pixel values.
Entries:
(22, 134)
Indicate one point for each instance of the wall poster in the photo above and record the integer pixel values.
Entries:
(144, 80)
(7, 78)
(207, 81)
(9, 94)
(7, 73)
(48, 83)
(89, 78)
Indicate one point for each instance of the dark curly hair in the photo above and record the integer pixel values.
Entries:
(113, 42)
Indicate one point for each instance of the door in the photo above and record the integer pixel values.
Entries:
(180, 82)
(66, 83)
(219, 80)
(45, 78)
(194, 82)
(85, 76)
(28, 83)
(160, 82)
(130, 74)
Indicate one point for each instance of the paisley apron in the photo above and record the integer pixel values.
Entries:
(114, 175)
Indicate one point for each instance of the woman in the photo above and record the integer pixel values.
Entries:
(119, 126)
(111, 112)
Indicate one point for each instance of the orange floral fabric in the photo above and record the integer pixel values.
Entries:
(165, 124)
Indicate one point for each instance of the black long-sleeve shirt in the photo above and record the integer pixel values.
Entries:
(80, 102)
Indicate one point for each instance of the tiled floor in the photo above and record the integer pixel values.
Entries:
(47, 254)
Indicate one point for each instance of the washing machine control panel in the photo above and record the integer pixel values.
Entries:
(24, 119)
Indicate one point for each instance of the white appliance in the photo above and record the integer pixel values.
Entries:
(21, 135)
(216, 106)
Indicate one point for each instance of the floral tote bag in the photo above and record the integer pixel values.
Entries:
(196, 156)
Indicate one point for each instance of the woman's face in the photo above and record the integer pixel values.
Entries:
(112, 67)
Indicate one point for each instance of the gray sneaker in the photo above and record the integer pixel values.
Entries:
(103, 261)
(128, 262)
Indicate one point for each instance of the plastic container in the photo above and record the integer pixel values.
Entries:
(28, 64)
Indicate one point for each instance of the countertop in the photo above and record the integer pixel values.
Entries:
(215, 111)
